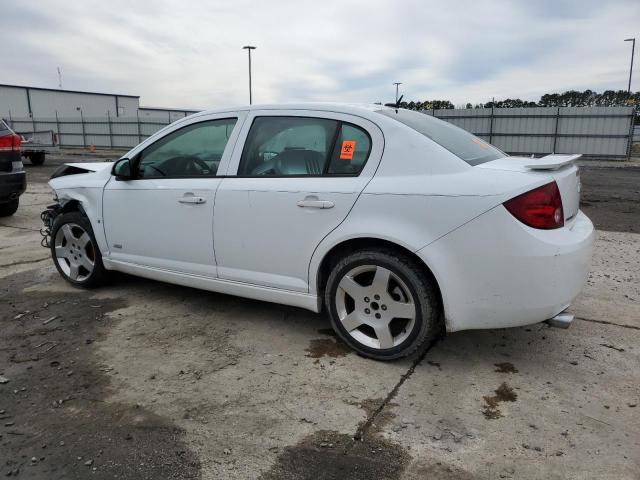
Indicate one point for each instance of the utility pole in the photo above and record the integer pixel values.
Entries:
(248, 48)
(59, 79)
(397, 84)
(633, 49)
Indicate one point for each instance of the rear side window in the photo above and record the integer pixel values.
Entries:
(281, 146)
(351, 150)
(461, 143)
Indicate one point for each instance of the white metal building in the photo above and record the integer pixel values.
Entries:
(170, 114)
(21, 101)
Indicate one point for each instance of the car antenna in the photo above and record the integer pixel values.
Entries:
(395, 105)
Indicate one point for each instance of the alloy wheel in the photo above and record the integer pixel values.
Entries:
(75, 252)
(375, 306)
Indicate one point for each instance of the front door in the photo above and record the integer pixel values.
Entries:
(295, 179)
(163, 218)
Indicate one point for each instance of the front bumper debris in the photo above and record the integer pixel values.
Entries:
(48, 216)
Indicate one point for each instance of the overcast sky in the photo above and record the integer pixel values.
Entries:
(189, 53)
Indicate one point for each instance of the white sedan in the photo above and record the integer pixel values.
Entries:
(398, 225)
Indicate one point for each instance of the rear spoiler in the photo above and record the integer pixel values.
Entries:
(553, 162)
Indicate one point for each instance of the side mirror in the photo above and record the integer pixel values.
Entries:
(122, 169)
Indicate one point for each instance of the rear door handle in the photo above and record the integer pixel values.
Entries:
(192, 199)
(315, 204)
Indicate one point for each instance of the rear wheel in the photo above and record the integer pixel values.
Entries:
(75, 251)
(9, 208)
(37, 158)
(382, 305)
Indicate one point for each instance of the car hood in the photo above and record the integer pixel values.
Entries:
(80, 167)
(75, 175)
(94, 166)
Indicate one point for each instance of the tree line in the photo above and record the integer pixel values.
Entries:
(571, 98)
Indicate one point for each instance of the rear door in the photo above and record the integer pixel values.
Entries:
(293, 178)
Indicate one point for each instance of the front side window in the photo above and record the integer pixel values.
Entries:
(192, 151)
(301, 146)
(461, 143)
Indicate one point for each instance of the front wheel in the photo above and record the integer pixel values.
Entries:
(382, 305)
(9, 208)
(75, 251)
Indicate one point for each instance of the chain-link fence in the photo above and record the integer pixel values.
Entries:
(599, 132)
(602, 132)
(102, 132)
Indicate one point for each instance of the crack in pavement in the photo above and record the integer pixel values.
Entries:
(24, 262)
(20, 228)
(40, 204)
(604, 322)
(366, 425)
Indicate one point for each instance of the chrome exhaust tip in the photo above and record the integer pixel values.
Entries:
(562, 320)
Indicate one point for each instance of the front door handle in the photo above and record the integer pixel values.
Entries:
(309, 203)
(191, 199)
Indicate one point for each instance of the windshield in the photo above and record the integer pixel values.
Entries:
(461, 143)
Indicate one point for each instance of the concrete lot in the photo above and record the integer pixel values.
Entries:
(146, 380)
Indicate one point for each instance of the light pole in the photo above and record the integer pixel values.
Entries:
(397, 84)
(633, 49)
(248, 48)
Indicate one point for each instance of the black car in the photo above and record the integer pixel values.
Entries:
(13, 179)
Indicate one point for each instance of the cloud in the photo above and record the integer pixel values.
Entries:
(188, 54)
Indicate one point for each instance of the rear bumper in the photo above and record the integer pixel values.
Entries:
(12, 185)
(495, 272)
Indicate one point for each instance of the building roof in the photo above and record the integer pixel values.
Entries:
(68, 91)
(161, 109)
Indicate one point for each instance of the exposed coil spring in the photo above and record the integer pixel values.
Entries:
(48, 216)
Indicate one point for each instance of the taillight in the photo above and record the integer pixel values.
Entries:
(539, 208)
(10, 143)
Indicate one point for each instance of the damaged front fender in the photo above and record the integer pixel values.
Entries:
(82, 191)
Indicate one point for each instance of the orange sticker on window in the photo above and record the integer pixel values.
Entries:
(346, 151)
(480, 142)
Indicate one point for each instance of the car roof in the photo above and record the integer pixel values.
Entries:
(361, 109)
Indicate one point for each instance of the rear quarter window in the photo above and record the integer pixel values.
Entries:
(461, 143)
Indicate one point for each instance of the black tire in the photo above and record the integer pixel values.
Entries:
(37, 158)
(427, 325)
(99, 274)
(9, 208)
